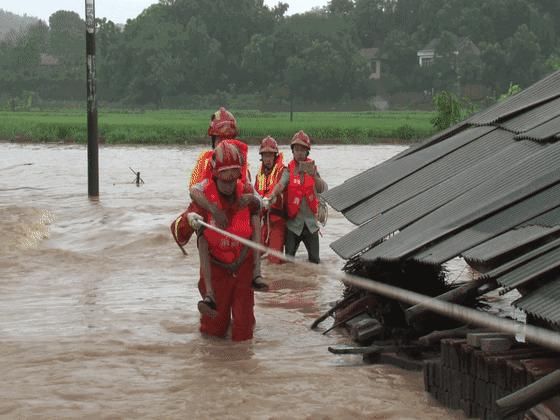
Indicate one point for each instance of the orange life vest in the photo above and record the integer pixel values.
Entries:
(264, 184)
(222, 248)
(298, 190)
(202, 168)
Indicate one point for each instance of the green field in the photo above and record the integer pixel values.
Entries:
(180, 127)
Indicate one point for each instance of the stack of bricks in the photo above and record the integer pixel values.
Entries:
(472, 373)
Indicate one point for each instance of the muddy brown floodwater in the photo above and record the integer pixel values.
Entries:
(98, 313)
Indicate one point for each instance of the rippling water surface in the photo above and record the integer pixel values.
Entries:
(98, 310)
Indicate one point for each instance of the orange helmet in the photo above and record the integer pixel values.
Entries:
(223, 124)
(301, 138)
(226, 156)
(268, 144)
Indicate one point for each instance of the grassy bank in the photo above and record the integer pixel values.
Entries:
(179, 127)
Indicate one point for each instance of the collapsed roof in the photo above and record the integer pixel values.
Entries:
(486, 189)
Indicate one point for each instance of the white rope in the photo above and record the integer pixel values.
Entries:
(521, 331)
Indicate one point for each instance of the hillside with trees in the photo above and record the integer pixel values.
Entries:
(10, 22)
(177, 53)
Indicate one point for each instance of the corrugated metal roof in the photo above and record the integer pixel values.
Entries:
(547, 131)
(522, 259)
(543, 303)
(490, 227)
(436, 138)
(536, 117)
(421, 205)
(483, 149)
(379, 177)
(506, 243)
(549, 219)
(530, 271)
(542, 91)
(537, 171)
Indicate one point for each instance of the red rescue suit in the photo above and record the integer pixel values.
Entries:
(231, 267)
(180, 228)
(274, 220)
(299, 190)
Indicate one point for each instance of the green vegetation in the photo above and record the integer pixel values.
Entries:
(10, 22)
(177, 51)
(177, 127)
(450, 110)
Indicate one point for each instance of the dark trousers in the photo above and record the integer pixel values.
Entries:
(310, 240)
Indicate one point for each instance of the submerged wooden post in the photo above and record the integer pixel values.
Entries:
(93, 145)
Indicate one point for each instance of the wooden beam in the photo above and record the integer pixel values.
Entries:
(540, 390)
(458, 294)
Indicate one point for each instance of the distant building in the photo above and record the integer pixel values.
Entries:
(372, 56)
(463, 46)
(48, 60)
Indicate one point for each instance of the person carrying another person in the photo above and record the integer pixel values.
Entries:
(229, 270)
(223, 126)
(273, 223)
(302, 183)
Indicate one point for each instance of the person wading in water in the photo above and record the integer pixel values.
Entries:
(229, 271)
(303, 183)
(223, 127)
(273, 219)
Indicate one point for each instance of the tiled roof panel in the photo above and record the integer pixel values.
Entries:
(522, 259)
(550, 130)
(532, 270)
(548, 219)
(543, 302)
(534, 118)
(490, 227)
(423, 204)
(542, 91)
(537, 171)
(507, 242)
(487, 147)
(380, 177)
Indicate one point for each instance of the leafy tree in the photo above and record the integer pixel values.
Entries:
(399, 52)
(512, 90)
(553, 61)
(450, 110)
(323, 72)
(494, 59)
(373, 20)
(523, 52)
(11, 22)
(340, 7)
(22, 50)
(67, 38)
(259, 60)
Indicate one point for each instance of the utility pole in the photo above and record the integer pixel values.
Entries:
(93, 143)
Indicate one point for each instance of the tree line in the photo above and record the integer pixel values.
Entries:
(188, 52)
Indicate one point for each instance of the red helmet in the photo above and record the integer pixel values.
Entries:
(268, 144)
(226, 156)
(301, 138)
(223, 124)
